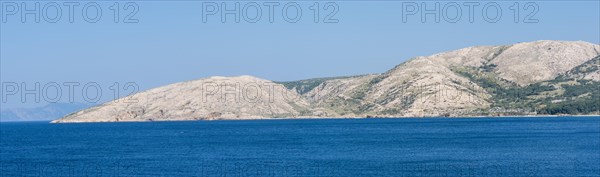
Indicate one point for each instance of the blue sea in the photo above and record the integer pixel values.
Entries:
(503, 147)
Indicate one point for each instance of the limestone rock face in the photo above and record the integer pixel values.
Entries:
(589, 70)
(454, 83)
(523, 63)
(419, 87)
(527, 63)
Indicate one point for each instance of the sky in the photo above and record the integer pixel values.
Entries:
(154, 43)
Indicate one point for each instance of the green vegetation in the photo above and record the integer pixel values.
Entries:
(580, 98)
(576, 106)
(504, 93)
(377, 79)
(587, 67)
(304, 86)
(488, 68)
(564, 95)
(582, 87)
(361, 91)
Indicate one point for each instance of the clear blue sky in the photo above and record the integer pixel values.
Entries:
(171, 43)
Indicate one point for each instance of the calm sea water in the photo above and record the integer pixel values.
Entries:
(565, 146)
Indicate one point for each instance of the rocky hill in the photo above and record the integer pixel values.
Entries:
(243, 97)
(541, 77)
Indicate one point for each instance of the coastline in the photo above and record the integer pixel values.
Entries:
(337, 118)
